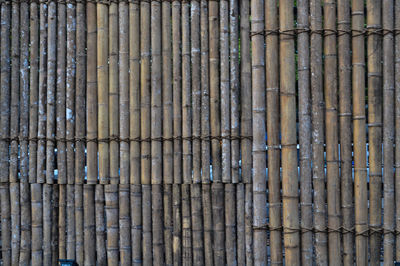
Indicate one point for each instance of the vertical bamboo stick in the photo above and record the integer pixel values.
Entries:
(62, 214)
(147, 250)
(225, 87)
(288, 132)
(101, 256)
(186, 226)
(344, 61)
(168, 223)
(79, 227)
(258, 111)
(33, 89)
(15, 222)
(230, 224)
(91, 96)
(54, 225)
(71, 222)
(374, 48)
(388, 132)
(157, 229)
(51, 93)
(63, 160)
(207, 220)
(37, 224)
(47, 223)
(397, 125)
(272, 115)
(240, 224)
(112, 219)
(134, 131)
(234, 87)
(217, 201)
(125, 247)
(177, 221)
(26, 225)
(89, 223)
(332, 152)
(303, 67)
(248, 204)
(359, 135)
(197, 224)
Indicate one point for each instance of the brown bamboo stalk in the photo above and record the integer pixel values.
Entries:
(234, 87)
(71, 222)
(397, 126)
(248, 204)
(15, 223)
(388, 133)
(112, 219)
(197, 224)
(37, 224)
(79, 224)
(344, 60)
(33, 89)
(62, 222)
(168, 223)
(89, 237)
(240, 224)
(187, 255)
(91, 95)
(147, 252)
(272, 115)
(135, 129)
(230, 224)
(289, 141)
(41, 130)
(196, 88)
(258, 111)
(303, 67)
(225, 87)
(113, 91)
(47, 223)
(207, 223)
(54, 225)
(51, 93)
(374, 52)
(157, 224)
(217, 203)
(317, 118)
(102, 91)
(125, 247)
(101, 256)
(63, 161)
(359, 135)
(332, 138)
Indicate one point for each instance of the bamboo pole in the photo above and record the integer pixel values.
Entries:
(344, 60)
(63, 123)
(303, 67)
(248, 216)
(125, 247)
(359, 135)
(217, 203)
(288, 132)
(103, 91)
(37, 224)
(54, 225)
(196, 88)
(62, 222)
(157, 222)
(187, 254)
(177, 222)
(240, 224)
(136, 226)
(207, 223)
(272, 115)
(71, 236)
(147, 250)
(224, 90)
(47, 224)
(89, 236)
(79, 224)
(33, 89)
(332, 138)
(388, 133)
(112, 219)
(168, 223)
(374, 50)
(197, 224)
(230, 224)
(91, 95)
(258, 112)
(26, 225)
(397, 125)
(15, 222)
(101, 255)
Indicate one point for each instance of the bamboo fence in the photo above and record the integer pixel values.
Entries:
(200, 132)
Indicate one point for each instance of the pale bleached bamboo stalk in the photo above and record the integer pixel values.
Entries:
(47, 223)
(79, 224)
(186, 96)
(230, 224)
(187, 254)
(134, 131)
(317, 137)
(196, 88)
(177, 222)
(147, 249)
(91, 94)
(41, 130)
(62, 215)
(54, 225)
(234, 73)
(359, 134)
(240, 224)
(288, 136)
(15, 222)
(224, 90)
(89, 237)
(33, 89)
(63, 163)
(218, 213)
(168, 223)
(207, 223)
(51, 94)
(344, 60)
(70, 75)
(125, 248)
(71, 222)
(101, 255)
(303, 67)
(197, 224)
(103, 122)
(112, 219)
(374, 53)
(272, 116)
(397, 125)
(258, 113)
(113, 91)
(332, 138)
(37, 224)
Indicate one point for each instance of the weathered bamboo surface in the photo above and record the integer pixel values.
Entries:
(200, 132)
